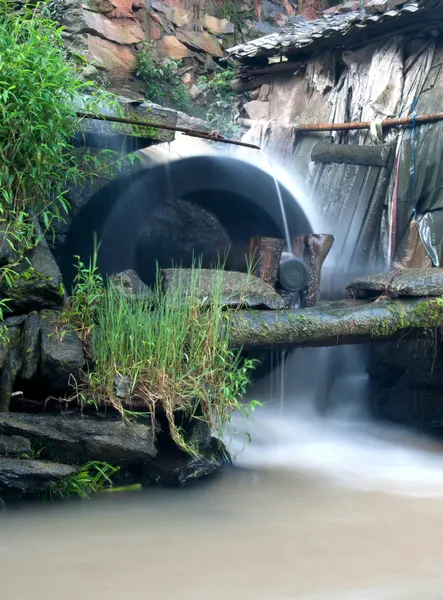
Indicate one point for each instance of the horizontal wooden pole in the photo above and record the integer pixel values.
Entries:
(335, 323)
(386, 124)
(206, 135)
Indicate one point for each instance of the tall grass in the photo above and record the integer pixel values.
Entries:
(174, 350)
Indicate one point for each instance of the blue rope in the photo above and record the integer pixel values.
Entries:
(414, 156)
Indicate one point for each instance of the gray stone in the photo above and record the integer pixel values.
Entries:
(62, 355)
(31, 347)
(177, 472)
(16, 321)
(14, 445)
(257, 110)
(238, 289)
(11, 367)
(72, 438)
(122, 387)
(29, 477)
(39, 284)
(408, 282)
(130, 283)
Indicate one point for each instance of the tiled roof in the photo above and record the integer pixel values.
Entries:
(303, 36)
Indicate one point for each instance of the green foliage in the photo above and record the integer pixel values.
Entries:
(162, 79)
(93, 477)
(87, 294)
(174, 352)
(37, 120)
(219, 99)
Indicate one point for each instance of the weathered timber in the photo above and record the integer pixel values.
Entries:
(346, 154)
(317, 249)
(210, 136)
(335, 323)
(358, 125)
(264, 254)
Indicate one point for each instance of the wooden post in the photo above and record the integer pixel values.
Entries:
(317, 249)
(265, 253)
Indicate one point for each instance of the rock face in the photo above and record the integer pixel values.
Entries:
(110, 32)
(29, 477)
(76, 439)
(408, 282)
(238, 289)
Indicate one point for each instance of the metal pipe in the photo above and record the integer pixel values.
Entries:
(210, 136)
(386, 124)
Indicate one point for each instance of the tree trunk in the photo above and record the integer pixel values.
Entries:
(335, 323)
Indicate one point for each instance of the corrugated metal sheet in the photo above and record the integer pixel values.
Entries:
(301, 33)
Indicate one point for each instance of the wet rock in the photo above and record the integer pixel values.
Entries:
(239, 289)
(16, 321)
(14, 445)
(408, 282)
(180, 471)
(130, 283)
(29, 477)
(72, 438)
(39, 284)
(62, 355)
(11, 366)
(199, 435)
(31, 347)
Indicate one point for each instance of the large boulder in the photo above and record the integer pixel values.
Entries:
(62, 355)
(238, 289)
(72, 438)
(29, 477)
(407, 282)
(39, 283)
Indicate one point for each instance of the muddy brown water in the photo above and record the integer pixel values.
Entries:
(333, 507)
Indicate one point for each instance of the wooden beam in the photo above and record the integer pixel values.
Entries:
(347, 154)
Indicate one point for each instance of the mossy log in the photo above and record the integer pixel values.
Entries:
(336, 323)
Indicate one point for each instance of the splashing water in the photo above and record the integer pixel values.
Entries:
(325, 430)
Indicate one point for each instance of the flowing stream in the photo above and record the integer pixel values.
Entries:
(323, 505)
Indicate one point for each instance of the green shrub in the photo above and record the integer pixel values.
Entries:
(174, 352)
(219, 98)
(162, 79)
